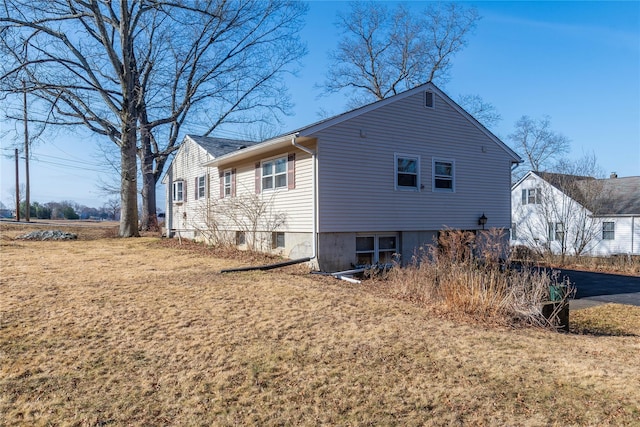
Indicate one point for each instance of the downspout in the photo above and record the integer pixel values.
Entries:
(314, 191)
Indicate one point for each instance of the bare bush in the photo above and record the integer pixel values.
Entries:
(253, 215)
(465, 274)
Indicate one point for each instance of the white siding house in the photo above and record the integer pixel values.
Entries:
(189, 185)
(374, 183)
(576, 215)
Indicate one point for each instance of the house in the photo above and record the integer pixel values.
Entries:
(576, 215)
(187, 184)
(368, 186)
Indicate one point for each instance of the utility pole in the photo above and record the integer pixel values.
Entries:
(26, 150)
(17, 189)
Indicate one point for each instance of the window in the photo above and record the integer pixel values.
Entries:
(443, 175)
(274, 174)
(227, 183)
(200, 187)
(178, 191)
(241, 239)
(608, 231)
(376, 249)
(531, 196)
(407, 176)
(277, 240)
(512, 232)
(556, 231)
(429, 100)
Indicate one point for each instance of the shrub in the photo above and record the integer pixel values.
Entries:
(471, 275)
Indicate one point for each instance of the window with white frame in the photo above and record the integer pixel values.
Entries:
(376, 249)
(274, 174)
(556, 231)
(531, 196)
(227, 183)
(407, 172)
(178, 191)
(608, 230)
(201, 186)
(443, 175)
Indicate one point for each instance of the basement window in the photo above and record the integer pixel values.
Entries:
(277, 240)
(241, 238)
(376, 249)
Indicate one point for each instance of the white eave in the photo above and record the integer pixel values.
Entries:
(253, 151)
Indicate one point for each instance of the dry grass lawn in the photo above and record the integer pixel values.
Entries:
(104, 331)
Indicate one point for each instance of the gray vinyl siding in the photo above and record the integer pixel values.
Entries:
(356, 174)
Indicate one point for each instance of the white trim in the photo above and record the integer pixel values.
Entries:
(273, 160)
(174, 191)
(435, 160)
(415, 157)
(375, 253)
(229, 173)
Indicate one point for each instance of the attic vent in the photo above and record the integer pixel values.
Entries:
(428, 99)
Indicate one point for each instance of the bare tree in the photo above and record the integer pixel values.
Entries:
(112, 207)
(382, 53)
(540, 145)
(137, 71)
(482, 111)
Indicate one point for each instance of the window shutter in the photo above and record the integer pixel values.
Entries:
(291, 171)
(524, 197)
(257, 177)
(195, 192)
(221, 184)
(207, 185)
(233, 182)
(185, 185)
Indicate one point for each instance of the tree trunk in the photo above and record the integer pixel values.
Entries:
(149, 220)
(129, 184)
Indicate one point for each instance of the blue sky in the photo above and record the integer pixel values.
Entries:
(577, 62)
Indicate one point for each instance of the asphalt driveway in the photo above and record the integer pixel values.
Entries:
(600, 288)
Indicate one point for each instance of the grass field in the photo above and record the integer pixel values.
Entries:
(104, 331)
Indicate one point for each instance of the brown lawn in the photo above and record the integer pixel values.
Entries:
(104, 331)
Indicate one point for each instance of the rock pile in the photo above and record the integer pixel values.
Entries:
(48, 235)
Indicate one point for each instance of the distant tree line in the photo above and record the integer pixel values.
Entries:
(67, 210)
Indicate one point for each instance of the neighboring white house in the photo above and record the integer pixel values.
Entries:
(576, 215)
(359, 188)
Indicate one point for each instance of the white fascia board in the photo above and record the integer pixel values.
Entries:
(254, 150)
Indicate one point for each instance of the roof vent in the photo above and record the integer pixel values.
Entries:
(428, 99)
(613, 175)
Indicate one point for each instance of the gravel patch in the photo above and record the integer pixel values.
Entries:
(48, 235)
